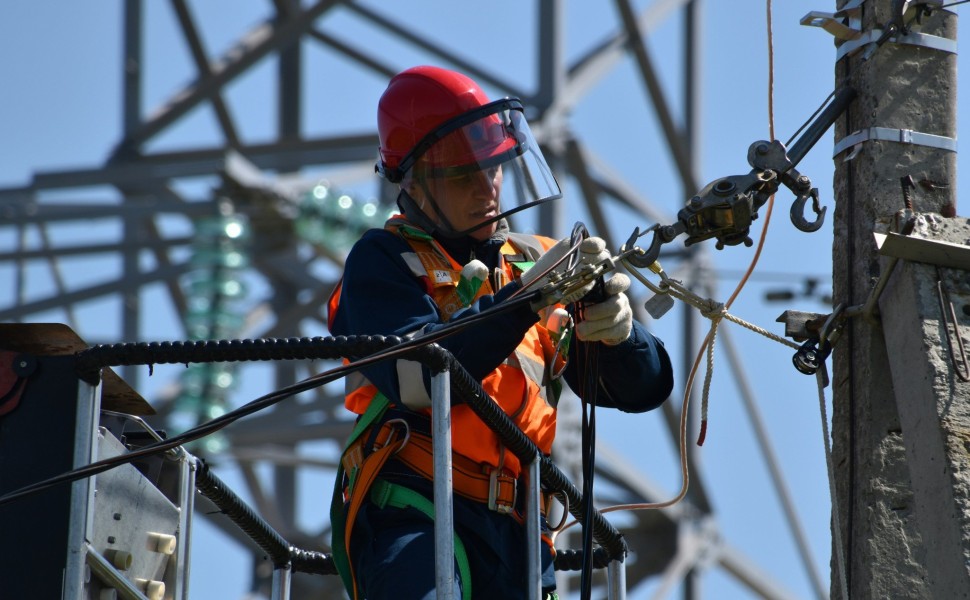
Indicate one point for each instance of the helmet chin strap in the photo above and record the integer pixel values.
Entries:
(409, 206)
(445, 229)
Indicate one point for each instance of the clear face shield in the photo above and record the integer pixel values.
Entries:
(493, 143)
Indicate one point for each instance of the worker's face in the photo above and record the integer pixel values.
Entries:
(466, 200)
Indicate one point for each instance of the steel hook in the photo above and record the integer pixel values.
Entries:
(644, 259)
(798, 210)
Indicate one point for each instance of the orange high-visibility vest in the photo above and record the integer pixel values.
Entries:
(519, 385)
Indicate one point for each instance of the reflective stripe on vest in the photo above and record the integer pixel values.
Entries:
(518, 385)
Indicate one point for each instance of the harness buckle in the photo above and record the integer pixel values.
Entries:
(386, 439)
(500, 488)
(354, 455)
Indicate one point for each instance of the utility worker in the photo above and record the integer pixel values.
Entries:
(460, 161)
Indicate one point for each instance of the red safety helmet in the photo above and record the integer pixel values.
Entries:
(442, 118)
(434, 122)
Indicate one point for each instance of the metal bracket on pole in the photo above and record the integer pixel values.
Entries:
(887, 134)
(916, 249)
(845, 24)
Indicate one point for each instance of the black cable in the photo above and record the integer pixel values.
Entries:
(261, 532)
(810, 119)
(90, 361)
(590, 385)
(613, 544)
(227, 352)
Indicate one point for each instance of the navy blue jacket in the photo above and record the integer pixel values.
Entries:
(381, 295)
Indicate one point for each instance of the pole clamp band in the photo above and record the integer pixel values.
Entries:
(913, 38)
(886, 134)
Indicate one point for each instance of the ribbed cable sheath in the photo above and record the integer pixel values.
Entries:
(262, 533)
(471, 392)
(468, 390)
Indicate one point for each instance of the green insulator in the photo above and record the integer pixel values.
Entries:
(234, 227)
(223, 379)
(308, 228)
(371, 214)
(217, 322)
(195, 384)
(337, 220)
(204, 285)
(215, 443)
(213, 411)
(198, 331)
(226, 258)
(188, 401)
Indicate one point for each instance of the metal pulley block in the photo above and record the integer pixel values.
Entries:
(725, 209)
(809, 357)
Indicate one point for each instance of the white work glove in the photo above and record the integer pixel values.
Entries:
(591, 250)
(611, 320)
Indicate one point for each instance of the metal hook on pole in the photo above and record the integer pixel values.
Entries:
(798, 210)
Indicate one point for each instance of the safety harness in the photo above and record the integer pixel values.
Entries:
(378, 437)
(357, 479)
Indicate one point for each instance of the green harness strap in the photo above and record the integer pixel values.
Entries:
(384, 493)
(338, 514)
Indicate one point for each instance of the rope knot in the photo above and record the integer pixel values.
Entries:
(712, 309)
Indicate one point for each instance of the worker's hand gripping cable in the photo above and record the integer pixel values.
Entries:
(611, 320)
(567, 271)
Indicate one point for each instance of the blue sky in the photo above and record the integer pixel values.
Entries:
(61, 109)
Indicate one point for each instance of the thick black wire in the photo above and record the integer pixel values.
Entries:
(589, 384)
(90, 361)
(280, 551)
(401, 346)
(810, 119)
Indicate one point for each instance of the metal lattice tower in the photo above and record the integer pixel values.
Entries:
(255, 199)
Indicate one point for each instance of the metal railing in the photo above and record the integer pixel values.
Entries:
(449, 379)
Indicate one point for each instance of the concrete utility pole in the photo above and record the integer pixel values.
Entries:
(901, 420)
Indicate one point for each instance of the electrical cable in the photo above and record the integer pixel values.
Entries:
(707, 345)
(268, 400)
(589, 382)
(812, 118)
